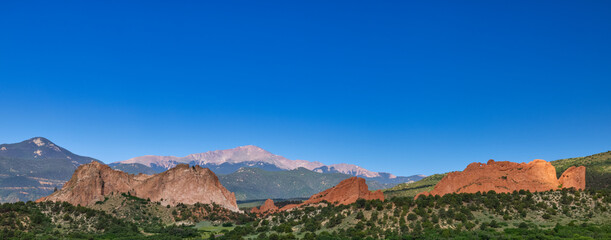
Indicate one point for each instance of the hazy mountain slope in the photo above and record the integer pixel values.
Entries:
(245, 154)
(133, 168)
(349, 169)
(224, 168)
(34, 168)
(255, 183)
(230, 160)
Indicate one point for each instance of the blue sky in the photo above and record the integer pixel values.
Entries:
(398, 86)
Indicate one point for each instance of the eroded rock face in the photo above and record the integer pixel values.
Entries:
(267, 207)
(504, 177)
(181, 184)
(573, 177)
(346, 192)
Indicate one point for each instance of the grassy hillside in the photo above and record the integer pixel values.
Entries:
(33, 220)
(146, 212)
(521, 215)
(598, 169)
(117, 217)
(412, 189)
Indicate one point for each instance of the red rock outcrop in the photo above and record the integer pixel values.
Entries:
(505, 177)
(267, 207)
(573, 177)
(181, 184)
(346, 192)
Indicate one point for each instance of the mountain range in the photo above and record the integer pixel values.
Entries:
(230, 160)
(37, 167)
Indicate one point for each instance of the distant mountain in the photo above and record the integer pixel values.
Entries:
(230, 160)
(355, 170)
(34, 168)
(225, 161)
(349, 169)
(255, 183)
(134, 168)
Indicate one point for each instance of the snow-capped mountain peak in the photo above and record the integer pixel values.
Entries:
(250, 155)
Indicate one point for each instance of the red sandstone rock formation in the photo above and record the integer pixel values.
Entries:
(346, 192)
(505, 177)
(182, 184)
(573, 177)
(267, 207)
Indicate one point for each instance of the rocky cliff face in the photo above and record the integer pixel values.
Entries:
(537, 175)
(346, 192)
(182, 184)
(267, 207)
(573, 177)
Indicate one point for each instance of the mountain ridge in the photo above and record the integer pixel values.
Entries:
(35, 167)
(229, 160)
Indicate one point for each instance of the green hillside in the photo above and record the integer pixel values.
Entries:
(412, 189)
(520, 215)
(129, 218)
(598, 169)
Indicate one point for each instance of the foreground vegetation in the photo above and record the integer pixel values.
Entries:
(544, 215)
(117, 217)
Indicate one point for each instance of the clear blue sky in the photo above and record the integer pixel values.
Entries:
(398, 86)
